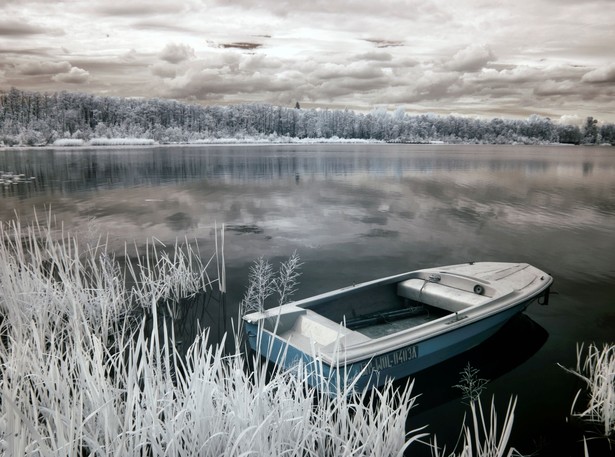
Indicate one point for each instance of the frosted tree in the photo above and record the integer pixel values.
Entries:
(590, 131)
(36, 118)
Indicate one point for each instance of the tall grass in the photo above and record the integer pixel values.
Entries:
(597, 369)
(471, 385)
(121, 142)
(63, 142)
(265, 282)
(81, 375)
(482, 437)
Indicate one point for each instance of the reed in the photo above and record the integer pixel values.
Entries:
(265, 282)
(483, 437)
(81, 375)
(64, 142)
(596, 368)
(121, 142)
(470, 384)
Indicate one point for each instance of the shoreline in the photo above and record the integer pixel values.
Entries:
(312, 142)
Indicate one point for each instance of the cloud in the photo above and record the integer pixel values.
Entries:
(357, 70)
(414, 9)
(161, 25)
(550, 88)
(435, 84)
(43, 68)
(605, 74)
(234, 76)
(375, 56)
(380, 43)
(164, 70)
(570, 119)
(470, 59)
(76, 75)
(16, 28)
(176, 53)
(19, 52)
(469, 56)
(241, 45)
(533, 74)
(139, 8)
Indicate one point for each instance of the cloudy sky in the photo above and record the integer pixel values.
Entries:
(476, 57)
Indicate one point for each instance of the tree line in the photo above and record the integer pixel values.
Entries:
(33, 118)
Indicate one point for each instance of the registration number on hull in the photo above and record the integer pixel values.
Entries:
(392, 359)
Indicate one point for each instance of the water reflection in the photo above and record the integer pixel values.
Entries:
(458, 199)
(497, 356)
(76, 170)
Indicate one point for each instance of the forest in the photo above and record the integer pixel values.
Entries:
(39, 119)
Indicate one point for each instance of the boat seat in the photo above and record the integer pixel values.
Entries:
(280, 319)
(318, 328)
(439, 295)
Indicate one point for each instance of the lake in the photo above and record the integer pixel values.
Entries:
(358, 212)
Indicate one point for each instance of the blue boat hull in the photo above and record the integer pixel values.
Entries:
(374, 371)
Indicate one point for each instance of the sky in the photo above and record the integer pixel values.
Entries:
(491, 58)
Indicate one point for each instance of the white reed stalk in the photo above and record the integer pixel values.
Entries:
(597, 370)
(484, 438)
(287, 280)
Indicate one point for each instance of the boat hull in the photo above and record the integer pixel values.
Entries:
(339, 355)
(374, 371)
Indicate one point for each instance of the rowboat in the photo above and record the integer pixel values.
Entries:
(392, 327)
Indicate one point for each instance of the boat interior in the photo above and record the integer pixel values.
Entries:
(378, 310)
(382, 310)
(364, 313)
(389, 308)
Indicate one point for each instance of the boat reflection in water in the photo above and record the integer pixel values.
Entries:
(515, 343)
(440, 405)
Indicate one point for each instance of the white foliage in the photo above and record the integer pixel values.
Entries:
(36, 119)
(265, 282)
(68, 142)
(78, 378)
(483, 437)
(121, 142)
(597, 370)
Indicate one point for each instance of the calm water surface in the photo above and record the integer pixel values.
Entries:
(355, 213)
